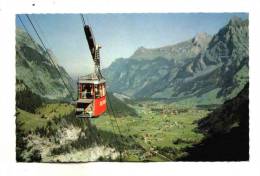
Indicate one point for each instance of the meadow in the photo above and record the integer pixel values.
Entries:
(160, 131)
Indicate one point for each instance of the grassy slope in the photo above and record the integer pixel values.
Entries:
(167, 132)
(54, 110)
(29, 120)
(158, 131)
(45, 113)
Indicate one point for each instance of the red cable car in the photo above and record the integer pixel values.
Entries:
(91, 97)
(91, 102)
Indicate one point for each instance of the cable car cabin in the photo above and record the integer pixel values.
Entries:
(91, 101)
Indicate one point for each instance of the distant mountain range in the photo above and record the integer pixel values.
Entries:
(36, 71)
(203, 70)
(186, 49)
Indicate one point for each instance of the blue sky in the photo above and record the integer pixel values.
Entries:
(118, 34)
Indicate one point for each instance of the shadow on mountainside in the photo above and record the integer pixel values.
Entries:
(227, 131)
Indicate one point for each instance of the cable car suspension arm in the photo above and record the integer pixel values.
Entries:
(93, 47)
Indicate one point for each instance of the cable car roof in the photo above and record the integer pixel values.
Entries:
(91, 78)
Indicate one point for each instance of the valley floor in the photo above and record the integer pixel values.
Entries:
(160, 132)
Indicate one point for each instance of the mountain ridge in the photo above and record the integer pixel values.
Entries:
(193, 46)
(218, 72)
(37, 71)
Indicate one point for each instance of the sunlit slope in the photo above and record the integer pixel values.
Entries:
(36, 70)
(216, 72)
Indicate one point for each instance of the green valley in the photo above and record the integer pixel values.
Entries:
(155, 129)
(188, 101)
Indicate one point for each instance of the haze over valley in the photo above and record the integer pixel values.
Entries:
(168, 103)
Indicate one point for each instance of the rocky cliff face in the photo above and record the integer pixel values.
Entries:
(179, 51)
(203, 69)
(147, 67)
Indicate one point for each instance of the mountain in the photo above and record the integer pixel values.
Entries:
(227, 132)
(37, 80)
(36, 70)
(186, 49)
(147, 67)
(202, 70)
(222, 68)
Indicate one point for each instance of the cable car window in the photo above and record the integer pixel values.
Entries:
(104, 90)
(79, 91)
(101, 90)
(84, 91)
(97, 92)
(87, 92)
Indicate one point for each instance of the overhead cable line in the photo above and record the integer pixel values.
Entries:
(41, 32)
(119, 131)
(113, 127)
(156, 153)
(83, 19)
(93, 131)
(114, 115)
(27, 31)
(52, 61)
